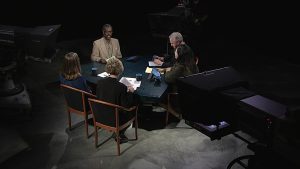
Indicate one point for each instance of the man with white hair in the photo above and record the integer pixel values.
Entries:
(167, 62)
(176, 39)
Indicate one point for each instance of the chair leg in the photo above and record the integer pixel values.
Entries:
(136, 127)
(69, 120)
(86, 126)
(118, 142)
(96, 136)
(167, 116)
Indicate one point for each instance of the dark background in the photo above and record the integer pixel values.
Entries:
(84, 18)
(270, 28)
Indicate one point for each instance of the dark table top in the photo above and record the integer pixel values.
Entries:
(148, 91)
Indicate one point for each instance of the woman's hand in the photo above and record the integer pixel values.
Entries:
(130, 89)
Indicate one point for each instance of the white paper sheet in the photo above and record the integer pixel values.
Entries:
(151, 63)
(103, 74)
(128, 81)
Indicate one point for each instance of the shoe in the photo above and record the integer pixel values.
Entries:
(158, 109)
(123, 138)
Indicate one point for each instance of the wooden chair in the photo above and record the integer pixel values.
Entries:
(113, 118)
(172, 107)
(76, 101)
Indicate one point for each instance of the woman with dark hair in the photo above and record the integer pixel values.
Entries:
(71, 73)
(185, 64)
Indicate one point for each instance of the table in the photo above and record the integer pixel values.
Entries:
(147, 91)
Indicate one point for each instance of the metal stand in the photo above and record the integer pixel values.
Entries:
(12, 95)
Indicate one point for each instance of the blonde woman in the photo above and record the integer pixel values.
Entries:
(109, 89)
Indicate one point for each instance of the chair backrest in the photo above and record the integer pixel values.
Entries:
(108, 113)
(76, 98)
(104, 112)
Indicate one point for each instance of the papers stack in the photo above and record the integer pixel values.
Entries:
(152, 64)
(149, 70)
(128, 81)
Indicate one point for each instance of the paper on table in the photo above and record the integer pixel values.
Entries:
(148, 70)
(103, 74)
(128, 81)
(151, 63)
